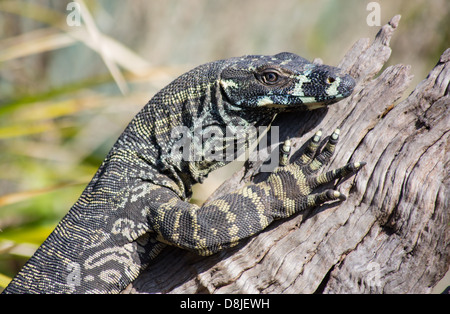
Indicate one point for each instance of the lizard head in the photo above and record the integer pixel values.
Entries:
(285, 81)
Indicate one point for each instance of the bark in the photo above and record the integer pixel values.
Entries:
(391, 235)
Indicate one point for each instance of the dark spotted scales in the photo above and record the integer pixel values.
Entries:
(137, 202)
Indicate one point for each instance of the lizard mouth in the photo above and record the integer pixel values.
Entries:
(346, 86)
(275, 106)
(308, 106)
(315, 105)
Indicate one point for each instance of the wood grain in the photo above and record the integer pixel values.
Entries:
(391, 235)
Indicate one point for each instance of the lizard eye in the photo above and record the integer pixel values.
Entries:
(270, 77)
(330, 80)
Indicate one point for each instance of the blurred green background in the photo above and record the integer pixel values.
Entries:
(67, 92)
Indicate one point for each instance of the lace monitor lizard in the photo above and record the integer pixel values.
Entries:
(137, 202)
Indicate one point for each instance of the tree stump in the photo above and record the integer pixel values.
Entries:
(391, 235)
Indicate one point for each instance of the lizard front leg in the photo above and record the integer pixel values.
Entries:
(292, 185)
(226, 220)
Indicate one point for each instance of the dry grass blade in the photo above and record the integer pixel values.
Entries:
(12, 198)
(101, 48)
(23, 249)
(33, 42)
(112, 52)
(49, 39)
(116, 52)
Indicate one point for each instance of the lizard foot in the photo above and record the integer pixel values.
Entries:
(294, 184)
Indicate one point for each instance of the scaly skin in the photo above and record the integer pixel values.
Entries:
(137, 201)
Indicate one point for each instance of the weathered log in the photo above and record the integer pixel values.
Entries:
(391, 235)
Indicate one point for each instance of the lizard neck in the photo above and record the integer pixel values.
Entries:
(190, 128)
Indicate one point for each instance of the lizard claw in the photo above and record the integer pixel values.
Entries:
(284, 152)
(325, 196)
